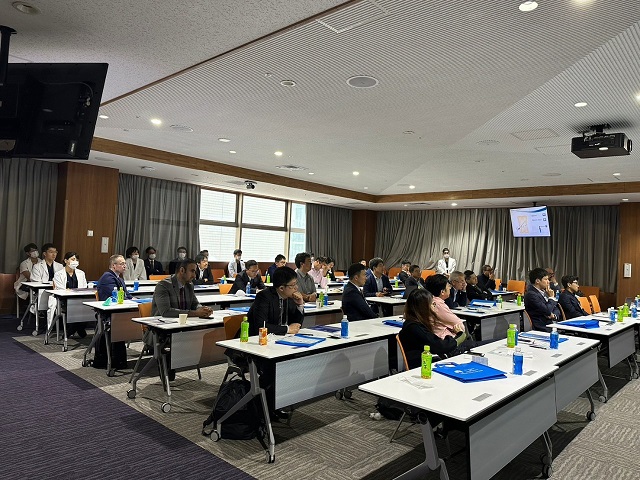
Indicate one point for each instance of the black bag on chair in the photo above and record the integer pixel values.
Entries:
(118, 355)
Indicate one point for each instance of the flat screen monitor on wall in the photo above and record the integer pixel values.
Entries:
(530, 222)
(49, 110)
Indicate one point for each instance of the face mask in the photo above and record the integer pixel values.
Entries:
(135, 257)
(182, 255)
(152, 256)
(74, 265)
(34, 254)
(446, 255)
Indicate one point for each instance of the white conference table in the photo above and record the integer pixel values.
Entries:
(492, 322)
(35, 294)
(303, 373)
(396, 301)
(500, 418)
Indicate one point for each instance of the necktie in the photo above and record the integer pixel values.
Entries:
(238, 267)
(183, 299)
(152, 264)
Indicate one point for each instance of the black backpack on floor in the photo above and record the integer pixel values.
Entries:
(246, 423)
(118, 354)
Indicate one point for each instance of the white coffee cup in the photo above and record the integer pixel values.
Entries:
(182, 319)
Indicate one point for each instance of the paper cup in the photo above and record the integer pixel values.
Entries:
(182, 319)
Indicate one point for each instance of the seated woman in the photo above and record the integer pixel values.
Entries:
(473, 289)
(203, 272)
(69, 277)
(418, 328)
(135, 267)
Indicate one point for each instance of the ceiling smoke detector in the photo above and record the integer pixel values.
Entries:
(292, 168)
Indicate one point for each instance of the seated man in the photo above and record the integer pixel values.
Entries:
(474, 292)
(378, 285)
(458, 295)
(319, 272)
(248, 276)
(236, 266)
(280, 308)
(354, 306)
(446, 323)
(568, 298)
(174, 295)
(151, 265)
(540, 302)
(112, 278)
(553, 283)
(306, 285)
(44, 272)
(487, 278)
(414, 280)
(280, 261)
(405, 269)
(203, 272)
(181, 255)
(25, 269)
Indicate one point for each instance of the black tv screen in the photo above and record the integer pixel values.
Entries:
(49, 110)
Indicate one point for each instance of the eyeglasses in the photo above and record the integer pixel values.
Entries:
(291, 285)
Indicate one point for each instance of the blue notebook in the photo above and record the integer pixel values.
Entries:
(482, 303)
(143, 300)
(299, 340)
(539, 336)
(394, 323)
(582, 323)
(468, 372)
(240, 309)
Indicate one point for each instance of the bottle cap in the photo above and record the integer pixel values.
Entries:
(427, 348)
(518, 349)
(554, 330)
(245, 319)
(512, 325)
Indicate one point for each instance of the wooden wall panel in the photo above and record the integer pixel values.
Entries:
(7, 293)
(87, 199)
(629, 251)
(364, 234)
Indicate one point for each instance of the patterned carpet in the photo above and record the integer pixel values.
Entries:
(333, 439)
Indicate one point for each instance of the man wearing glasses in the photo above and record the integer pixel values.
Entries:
(113, 278)
(458, 295)
(553, 283)
(280, 308)
(568, 299)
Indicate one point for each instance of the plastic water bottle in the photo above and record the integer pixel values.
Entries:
(121, 296)
(114, 295)
(554, 339)
(500, 302)
(344, 327)
(634, 311)
(425, 368)
(136, 285)
(518, 360)
(519, 300)
(248, 289)
(223, 280)
(325, 299)
(244, 330)
(612, 314)
(268, 278)
(558, 295)
(512, 334)
(621, 314)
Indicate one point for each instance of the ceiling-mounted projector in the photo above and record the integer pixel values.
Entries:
(600, 144)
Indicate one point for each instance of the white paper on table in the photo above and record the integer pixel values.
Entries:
(417, 382)
(508, 352)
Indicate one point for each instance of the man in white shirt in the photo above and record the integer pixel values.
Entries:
(26, 267)
(446, 264)
(236, 265)
(44, 272)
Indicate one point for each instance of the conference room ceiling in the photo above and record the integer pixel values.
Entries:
(470, 95)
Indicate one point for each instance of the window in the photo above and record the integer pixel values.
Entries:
(262, 245)
(263, 211)
(218, 224)
(218, 206)
(297, 235)
(219, 240)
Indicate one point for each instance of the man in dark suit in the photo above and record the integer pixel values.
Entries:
(458, 296)
(280, 261)
(181, 255)
(151, 265)
(539, 301)
(354, 306)
(248, 275)
(203, 272)
(413, 281)
(473, 289)
(378, 285)
(568, 299)
(405, 271)
(174, 295)
(280, 308)
(486, 280)
(112, 278)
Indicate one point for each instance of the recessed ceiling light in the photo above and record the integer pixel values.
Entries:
(412, 187)
(616, 174)
(103, 116)
(232, 151)
(147, 168)
(288, 83)
(528, 6)
(278, 153)
(638, 97)
(224, 140)
(580, 104)
(454, 204)
(311, 173)
(362, 81)
(156, 121)
(603, 148)
(625, 199)
(25, 8)
(356, 173)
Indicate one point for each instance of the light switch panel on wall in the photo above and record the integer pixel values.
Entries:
(104, 247)
(627, 270)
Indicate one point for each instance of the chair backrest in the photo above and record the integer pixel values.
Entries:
(96, 294)
(338, 273)
(427, 273)
(217, 273)
(404, 357)
(564, 317)
(225, 288)
(584, 303)
(394, 271)
(588, 290)
(232, 325)
(595, 304)
(498, 283)
(516, 286)
(144, 309)
(264, 278)
(528, 325)
(158, 277)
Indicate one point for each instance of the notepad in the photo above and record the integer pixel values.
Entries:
(468, 372)
(581, 323)
(299, 340)
(538, 336)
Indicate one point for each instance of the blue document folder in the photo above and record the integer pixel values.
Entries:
(394, 323)
(143, 300)
(582, 323)
(468, 372)
(240, 309)
(325, 328)
(300, 340)
(539, 336)
(482, 303)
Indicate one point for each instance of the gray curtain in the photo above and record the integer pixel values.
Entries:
(159, 213)
(329, 233)
(27, 207)
(583, 242)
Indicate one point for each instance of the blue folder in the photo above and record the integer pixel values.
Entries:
(325, 328)
(539, 336)
(582, 323)
(300, 340)
(240, 309)
(394, 323)
(482, 303)
(468, 372)
(143, 300)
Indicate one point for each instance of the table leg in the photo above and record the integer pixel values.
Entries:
(107, 341)
(28, 311)
(605, 394)
(96, 336)
(431, 461)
